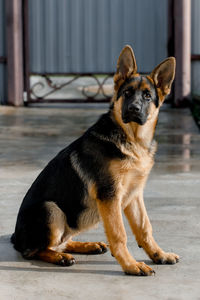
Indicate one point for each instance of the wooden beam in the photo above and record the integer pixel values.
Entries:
(14, 34)
(182, 15)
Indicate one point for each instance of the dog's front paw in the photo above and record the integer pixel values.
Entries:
(165, 258)
(139, 269)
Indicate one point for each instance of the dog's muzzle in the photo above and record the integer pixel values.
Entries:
(133, 114)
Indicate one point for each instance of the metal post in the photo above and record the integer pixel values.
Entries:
(182, 9)
(14, 51)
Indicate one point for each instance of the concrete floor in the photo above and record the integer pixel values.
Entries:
(30, 137)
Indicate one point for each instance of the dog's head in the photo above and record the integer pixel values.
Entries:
(139, 95)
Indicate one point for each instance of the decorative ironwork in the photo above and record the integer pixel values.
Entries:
(195, 57)
(47, 86)
(3, 59)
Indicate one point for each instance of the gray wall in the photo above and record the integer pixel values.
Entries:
(68, 36)
(2, 53)
(195, 46)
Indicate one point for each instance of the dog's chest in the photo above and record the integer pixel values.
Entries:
(133, 173)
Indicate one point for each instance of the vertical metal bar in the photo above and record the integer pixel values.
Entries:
(14, 51)
(182, 10)
(26, 55)
(171, 37)
(171, 41)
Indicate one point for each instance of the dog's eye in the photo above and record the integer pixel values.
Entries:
(127, 93)
(147, 95)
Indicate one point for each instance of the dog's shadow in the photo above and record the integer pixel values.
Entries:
(15, 262)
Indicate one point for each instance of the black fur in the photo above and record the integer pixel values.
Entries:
(62, 183)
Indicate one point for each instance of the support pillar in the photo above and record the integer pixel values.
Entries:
(14, 35)
(182, 28)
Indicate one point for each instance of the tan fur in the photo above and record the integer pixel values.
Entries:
(54, 257)
(130, 177)
(130, 174)
(141, 135)
(163, 75)
(141, 227)
(116, 235)
(60, 232)
(85, 247)
(89, 217)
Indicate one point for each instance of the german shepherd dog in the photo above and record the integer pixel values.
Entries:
(98, 176)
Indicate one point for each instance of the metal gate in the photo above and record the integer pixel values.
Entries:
(71, 46)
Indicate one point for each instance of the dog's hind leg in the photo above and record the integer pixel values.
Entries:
(58, 232)
(86, 247)
(57, 258)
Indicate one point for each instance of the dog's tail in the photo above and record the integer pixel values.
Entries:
(26, 253)
(13, 239)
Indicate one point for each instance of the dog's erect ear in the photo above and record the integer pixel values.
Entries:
(126, 64)
(163, 75)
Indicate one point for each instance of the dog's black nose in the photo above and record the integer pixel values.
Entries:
(134, 107)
